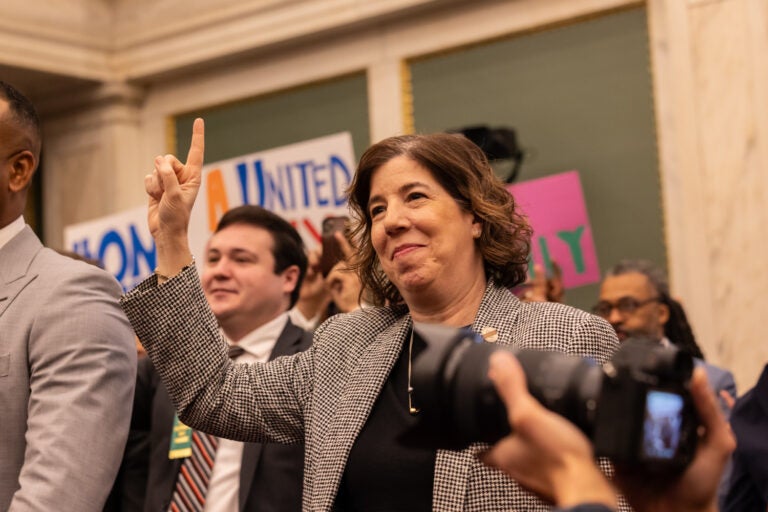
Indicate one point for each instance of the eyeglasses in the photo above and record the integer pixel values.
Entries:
(625, 306)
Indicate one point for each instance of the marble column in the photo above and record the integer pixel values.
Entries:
(90, 156)
(711, 85)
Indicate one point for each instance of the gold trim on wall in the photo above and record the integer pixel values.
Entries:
(170, 134)
(406, 85)
(659, 159)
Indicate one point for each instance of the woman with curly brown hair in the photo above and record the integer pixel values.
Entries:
(440, 241)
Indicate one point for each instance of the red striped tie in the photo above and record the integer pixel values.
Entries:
(195, 474)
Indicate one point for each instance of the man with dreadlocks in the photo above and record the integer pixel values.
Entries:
(635, 300)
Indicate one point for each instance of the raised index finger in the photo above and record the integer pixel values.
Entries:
(197, 145)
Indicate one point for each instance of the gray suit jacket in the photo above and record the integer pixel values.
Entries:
(67, 372)
(324, 395)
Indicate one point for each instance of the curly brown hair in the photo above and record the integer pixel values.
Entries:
(463, 171)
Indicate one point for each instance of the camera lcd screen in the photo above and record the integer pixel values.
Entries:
(662, 424)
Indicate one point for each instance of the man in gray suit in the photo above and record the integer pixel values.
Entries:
(67, 355)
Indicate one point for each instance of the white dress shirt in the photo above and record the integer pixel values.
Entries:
(224, 487)
(11, 230)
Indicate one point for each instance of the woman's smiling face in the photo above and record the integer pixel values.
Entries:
(423, 238)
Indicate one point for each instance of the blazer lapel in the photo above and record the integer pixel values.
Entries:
(251, 454)
(497, 313)
(9, 291)
(289, 342)
(16, 257)
(360, 394)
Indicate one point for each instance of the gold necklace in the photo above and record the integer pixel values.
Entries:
(411, 409)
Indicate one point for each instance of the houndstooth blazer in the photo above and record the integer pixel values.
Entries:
(323, 396)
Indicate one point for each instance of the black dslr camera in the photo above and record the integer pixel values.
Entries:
(636, 409)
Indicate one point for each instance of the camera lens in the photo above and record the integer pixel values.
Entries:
(567, 385)
(477, 411)
(459, 403)
(637, 411)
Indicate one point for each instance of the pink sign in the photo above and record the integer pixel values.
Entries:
(561, 231)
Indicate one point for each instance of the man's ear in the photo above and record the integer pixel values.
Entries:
(663, 313)
(290, 278)
(22, 168)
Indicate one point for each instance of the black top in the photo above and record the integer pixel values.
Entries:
(381, 474)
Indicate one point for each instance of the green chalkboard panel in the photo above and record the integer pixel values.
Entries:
(579, 97)
(282, 118)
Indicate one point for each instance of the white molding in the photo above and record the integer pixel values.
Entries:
(377, 51)
(146, 40)
(385, 91)
(477, 22)
(66, 38)
(53, 56)
(271, 21)
(676, 126)
(680, 163)
(450, 23)
(95, 97)
(84, 23)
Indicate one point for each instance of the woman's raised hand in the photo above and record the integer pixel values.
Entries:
(172, 188)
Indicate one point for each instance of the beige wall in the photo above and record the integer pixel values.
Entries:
(711, 81)
(710, 87)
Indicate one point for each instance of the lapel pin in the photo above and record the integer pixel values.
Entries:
(489, 334)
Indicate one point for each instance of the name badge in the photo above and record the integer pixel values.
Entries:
(181, 440)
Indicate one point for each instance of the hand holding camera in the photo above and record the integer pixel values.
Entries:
(546, 453)
(695, 489)
(552, 458)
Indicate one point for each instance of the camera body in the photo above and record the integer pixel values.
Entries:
(636, 409)
(645, 413)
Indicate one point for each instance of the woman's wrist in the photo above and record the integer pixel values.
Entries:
(162, 278)
(173, 256)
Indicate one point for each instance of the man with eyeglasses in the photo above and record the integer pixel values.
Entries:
(635, 300)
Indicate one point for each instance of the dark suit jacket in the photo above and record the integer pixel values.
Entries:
(270, 475)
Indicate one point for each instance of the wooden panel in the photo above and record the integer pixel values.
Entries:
(282, 118)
